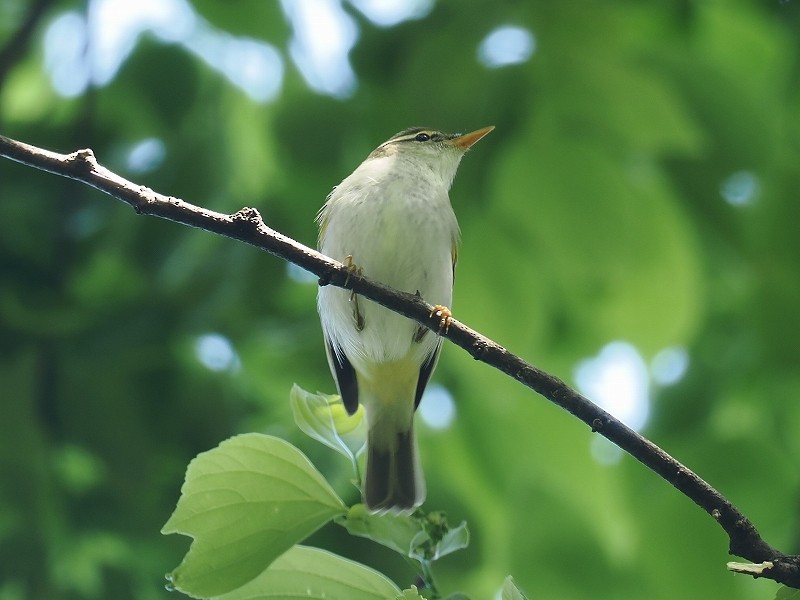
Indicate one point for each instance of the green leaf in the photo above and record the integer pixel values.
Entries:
(245, 503)
(423, 538)
(393, 531)
(411, 593)
(263, 20)
(324, 418)
(510, 590)
(452, 540)
(785, 593)
(437, 538)
(312, 573)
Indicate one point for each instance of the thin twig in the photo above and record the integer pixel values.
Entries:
(247, 226)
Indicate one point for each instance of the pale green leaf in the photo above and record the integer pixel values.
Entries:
(245, 503)
(324, 418)
(786, 593)
(316, 574)
(437, 538)
(397, 532)
(411, 593)
(423, 538)
(510, 590)
(455, 539)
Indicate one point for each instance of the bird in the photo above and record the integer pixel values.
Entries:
(391, 220)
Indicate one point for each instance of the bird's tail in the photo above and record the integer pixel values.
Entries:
(394, 481)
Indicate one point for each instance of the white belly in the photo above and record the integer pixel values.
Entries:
(406, 243)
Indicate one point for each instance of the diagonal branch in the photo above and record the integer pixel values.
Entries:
(247, 226)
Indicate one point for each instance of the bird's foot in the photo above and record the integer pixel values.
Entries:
(444, 315)
(352, 269)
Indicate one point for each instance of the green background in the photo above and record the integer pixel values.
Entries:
(593, 213)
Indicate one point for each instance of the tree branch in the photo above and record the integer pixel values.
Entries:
(247, 226)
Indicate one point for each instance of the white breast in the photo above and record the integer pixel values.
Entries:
(399, 227)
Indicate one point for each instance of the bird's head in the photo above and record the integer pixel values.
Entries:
(440, 151)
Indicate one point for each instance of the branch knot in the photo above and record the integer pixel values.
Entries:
(248, 215)
(479, 348)
(81, 161)
(85, 155)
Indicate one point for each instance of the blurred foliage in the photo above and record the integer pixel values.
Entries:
(593, 213)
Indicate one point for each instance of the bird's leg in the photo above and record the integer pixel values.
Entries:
(445, 316)
(352, 268)
(357, 316)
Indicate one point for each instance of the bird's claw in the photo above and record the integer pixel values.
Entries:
(352, 269)
(444, 315)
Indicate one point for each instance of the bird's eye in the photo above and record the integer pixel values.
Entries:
(422, 137)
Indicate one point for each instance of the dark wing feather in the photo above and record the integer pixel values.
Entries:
(426, 371)
(345, 376)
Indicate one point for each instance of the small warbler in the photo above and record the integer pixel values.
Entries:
(391, 220)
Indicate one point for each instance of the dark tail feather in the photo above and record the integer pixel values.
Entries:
(394, 480)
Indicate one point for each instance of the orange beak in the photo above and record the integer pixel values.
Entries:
(468, 139)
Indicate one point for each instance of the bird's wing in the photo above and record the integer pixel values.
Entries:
(427, 368)
(425, 372)
(345, 376)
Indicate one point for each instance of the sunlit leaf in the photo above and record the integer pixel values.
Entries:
(456, 538)
(410, 594)
(245, 503)
(437, 538)
(510, 590)
(421, 537)
(303, 572)
(397, 532)
(324, 418)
